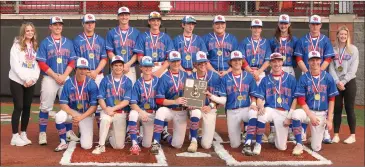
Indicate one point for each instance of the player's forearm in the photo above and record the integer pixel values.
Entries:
(331, 107)
(306, 109)
(253, 99)
(90, 111)
(132, 60)
(210, 67)
(302, 66)
(51, 73)
(220, 100)
(67, 109)
(136, 107)
(101, 65)
(324, 65)
(259, 102)
(102, 104)
(294, 104)
(67, 71)
(264, 67)
(167, 102)
(121, 105)
(110, 54)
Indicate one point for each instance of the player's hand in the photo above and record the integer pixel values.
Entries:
(260, 110)
(189, 72)
(93, 74)
(76, 119)
(254, 107)
(144, 116)
(222, 73)
(180, 100)
(286, 122)
(314, 120)
(62, 79)
(206, 109)
(256, 75)
(126, 68)
(191, 108)
(109, 111)
(208, 94)
(58, 79)
(329, 124)
(340, 86)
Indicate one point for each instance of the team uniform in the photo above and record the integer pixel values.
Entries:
(317, 91)
(286, 47)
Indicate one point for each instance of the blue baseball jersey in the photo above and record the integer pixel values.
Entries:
(147, 45)
(93, 55)
(304, 46)
(139, 95)
(122, 44)
(286, 48)
(327, 88)
(213, 80)
(220, 63)
(109, 94)
(269, 87)
(166, 88)
(48, 53)
(70, 97)
(263, 51)
(197, 44)
(231, 91)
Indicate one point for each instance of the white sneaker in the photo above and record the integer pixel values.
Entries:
(60, 147)
(298, 149)
(98, 150)
(350, 140)
(264, 138)
(271, 138)
(336, 139)
(42, 138)
(24, 137)
(17, 141)
(257, 149)
(71, 136)
(193, 147)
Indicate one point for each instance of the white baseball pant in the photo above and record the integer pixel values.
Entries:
(179, 122)
(85, 127)
(234, 120)
(208, 125)
(49, 90)
(119, 129)
(98, 79)
(147, 126)
(132, 74)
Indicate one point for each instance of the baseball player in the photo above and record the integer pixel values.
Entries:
(220, 44)
(209, 111)
(169, 91)
(155, 44)
(315, 92)
(277, 90)
(313, 41)
(284, 42)
(91, 46)
(188, 44)
(56, 59)
(143, 105)
(78, 103)
(239, 87)
(121, 40)
(114, 96)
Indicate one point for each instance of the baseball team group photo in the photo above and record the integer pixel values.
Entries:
(182, 83)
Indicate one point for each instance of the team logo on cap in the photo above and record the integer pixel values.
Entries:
(57, 19)
(236, 54)
(219, 18)
(201, 55)
(83, 62)
(257, 22)
(174, 54)
(89, 17)
(315, 18)
(117, 58)
(283, 17)
(155, 14)
(124, 9)
(314, 53)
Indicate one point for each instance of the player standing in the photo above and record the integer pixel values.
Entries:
(315, 92)
(78, 103)
(220, 44)
(114, 96)
(56, 59)
(188, 44)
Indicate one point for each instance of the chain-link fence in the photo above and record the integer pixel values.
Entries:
(246, 8)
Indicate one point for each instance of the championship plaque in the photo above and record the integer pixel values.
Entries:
(194, 92)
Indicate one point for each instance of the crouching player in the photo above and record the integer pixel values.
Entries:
(277, 90)
(78, 103)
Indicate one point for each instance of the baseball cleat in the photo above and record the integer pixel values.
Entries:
(271, 138)
(298, 149)
(291, 136)
(60, 147)
(327, 141)
(336, 139)
(98, 150)
(165, 134)
(155, 148)
(17, 141)
(243, 134)
(135, 149)
(247, 150)
(350, 140)
(42, 138)
(71, 136)
(193, 147)
(264, 138)
(257, 149)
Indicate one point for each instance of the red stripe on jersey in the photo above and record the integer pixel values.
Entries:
(159, 101)
(43, 66)
(71, 64)
(328, 60)
(298, 59)
(331, 98)
(301, 100)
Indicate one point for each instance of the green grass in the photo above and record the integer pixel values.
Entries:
(33, 116)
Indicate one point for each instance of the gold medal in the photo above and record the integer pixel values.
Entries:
(219, 53)
(30, 65)
(317, 96)
(116, 102)
(284, 58)
(253, 60)
(340, 68)
(59, 60)
(239, 97)
(123, 52)
(80, 106)
(154, 54)
(279, 100)
(91, 55)
(187, 57)
(147, 106)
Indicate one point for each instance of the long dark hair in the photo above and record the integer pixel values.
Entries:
(278, 33)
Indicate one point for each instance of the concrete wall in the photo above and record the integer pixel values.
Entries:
(359, 42)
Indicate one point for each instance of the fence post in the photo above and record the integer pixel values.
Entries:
(246, 8)
(311, 8)
(332, 7)
(84, 7)
(16, 7)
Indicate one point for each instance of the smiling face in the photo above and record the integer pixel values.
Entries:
(146, 70)
(28, 32)
(188, 27)
(283, 27)
(276, 65)
(81, 72)
(342, 36)
(89, 26)
(124, 18)
(314, 63)
(154, 24)
(175, 65)
(256, 31)
(236, 64)
(117, 68)
(315, 28)
(219, 28)
(202, 66)
(56, 28)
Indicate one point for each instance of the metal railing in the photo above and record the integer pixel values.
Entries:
(245, 8)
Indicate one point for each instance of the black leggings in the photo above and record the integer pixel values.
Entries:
(22, 99)
(348, 95)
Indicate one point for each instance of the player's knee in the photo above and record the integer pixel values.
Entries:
(86, 145)
(133, 115)
(206, 145)
(196, 113)
(281, 147)
(316, 147)
(60, 117)
(252, 113)
(235, 145)
(296, 114)
(161, 113)
(105, 118)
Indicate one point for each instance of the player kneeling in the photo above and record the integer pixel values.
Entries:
(143, 105)
(208, 111)
(114, 95)
(277, 90)
(316, 91)
(78, 103)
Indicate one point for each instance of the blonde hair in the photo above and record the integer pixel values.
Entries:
(348, 41)
(21, 38)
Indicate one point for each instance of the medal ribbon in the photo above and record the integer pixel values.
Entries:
(147, 94)
(176, 87)
(78, 95)
(316, 90)
(120, 83)
(205, 76)
(154, 43)
(58, 50)
(30, 50)
(235, 83)
(121, 36)
(281, 45)
(88, 43)
(220, 44)
(254, 50)
(311, 40)
(278, 91)
(341, 55)
(191, 41)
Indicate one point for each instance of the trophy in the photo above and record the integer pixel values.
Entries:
(194, 92)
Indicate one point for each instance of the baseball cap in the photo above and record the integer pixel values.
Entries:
(200, 57)
(219, 19)
(147, 61)
(123, 9)
(236, 55)
(117, 58)
(174, 56)
(188, 19)
(284, 18)
(154, 15)
(56, 19)
(276, 55)
(315, 19)
(314, 54)
(88, 18)
(256, 23)
(82, 63)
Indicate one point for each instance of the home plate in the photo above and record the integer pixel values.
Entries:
(196, 154)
